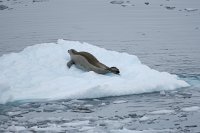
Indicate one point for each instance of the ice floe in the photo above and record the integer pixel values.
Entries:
(40, 72)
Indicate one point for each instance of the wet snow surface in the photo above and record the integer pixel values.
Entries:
(162, 34)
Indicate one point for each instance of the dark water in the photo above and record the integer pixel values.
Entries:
(165, 40)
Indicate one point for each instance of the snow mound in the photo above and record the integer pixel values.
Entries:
(40, 72)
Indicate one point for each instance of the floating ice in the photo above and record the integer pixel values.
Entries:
(144, 118)
(40, 72)
(193, 108)
(191, 9)
(162, 93)
(14, 128)
(76, 123)
(162, 112)
(120, 101)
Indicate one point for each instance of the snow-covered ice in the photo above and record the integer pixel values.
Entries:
(40, 72)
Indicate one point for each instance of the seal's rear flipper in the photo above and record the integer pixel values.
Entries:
(70, 63)
(114, 70)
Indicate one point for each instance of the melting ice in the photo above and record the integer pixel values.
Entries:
(40, 72)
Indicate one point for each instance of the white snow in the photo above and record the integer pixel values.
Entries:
(40, 72)
(189, 109)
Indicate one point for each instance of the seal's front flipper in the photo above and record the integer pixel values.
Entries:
(70, 63)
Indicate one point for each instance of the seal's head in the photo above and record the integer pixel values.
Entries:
(114, 70)
(72, 51)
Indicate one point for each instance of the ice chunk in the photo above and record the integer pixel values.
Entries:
(144, 118)
(162, 112)
(76, 123)
(162, 93)
(193, 108)
(40, 72)
(191, 9)
(120, 101)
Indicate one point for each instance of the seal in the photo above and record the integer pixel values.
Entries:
(87, 62)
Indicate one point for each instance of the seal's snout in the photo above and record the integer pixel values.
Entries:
(72, 51)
